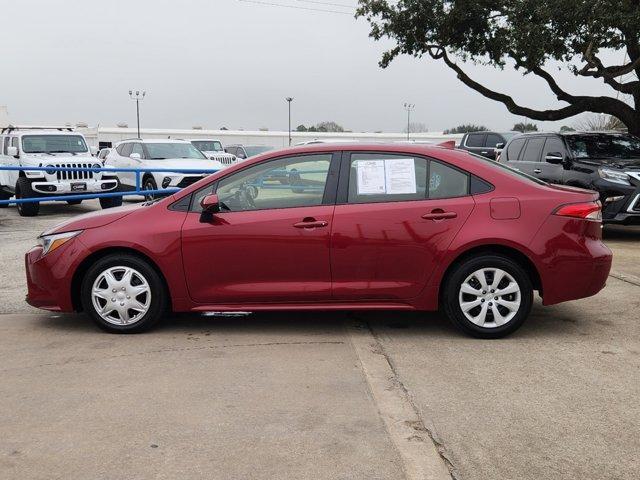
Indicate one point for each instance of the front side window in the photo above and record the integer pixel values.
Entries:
(553, 145)
(165, 150)
(53, 144)
(493, 140)
(207, 145)
(284, 183)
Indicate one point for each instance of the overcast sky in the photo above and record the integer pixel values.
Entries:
(231, 63)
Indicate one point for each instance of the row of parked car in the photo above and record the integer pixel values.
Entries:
(607, 162)
(41, 147)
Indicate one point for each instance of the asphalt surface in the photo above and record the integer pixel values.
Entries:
(291, 395)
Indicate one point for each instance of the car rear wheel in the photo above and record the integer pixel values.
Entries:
(150, 184)
(123, 294)
(489, 296)
(24, 190)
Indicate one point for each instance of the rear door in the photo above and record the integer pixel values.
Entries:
(530, 157)
(396, 216)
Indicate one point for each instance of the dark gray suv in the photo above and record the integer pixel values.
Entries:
(606, 162)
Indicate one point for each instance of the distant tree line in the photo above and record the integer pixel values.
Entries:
(321, 127)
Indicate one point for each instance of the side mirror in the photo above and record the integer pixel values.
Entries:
(93, 150)
(210, 204)
(240, 155)
(135, 156)
(12, 151)
(499, 146)
(554, 158)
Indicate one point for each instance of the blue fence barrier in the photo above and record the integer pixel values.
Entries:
(137, 191)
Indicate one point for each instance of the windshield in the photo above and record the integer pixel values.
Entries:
(604, 145)
(207, 145)
(509, 170)
(256, 150)
(162, 151)
(53, 144)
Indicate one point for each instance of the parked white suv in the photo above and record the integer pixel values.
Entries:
(26, 147)
(158, 154)
(213, 149)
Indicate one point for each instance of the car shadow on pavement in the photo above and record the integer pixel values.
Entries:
(544, 321)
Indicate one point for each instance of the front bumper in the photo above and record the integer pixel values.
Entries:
(66, 187)
(49, 276)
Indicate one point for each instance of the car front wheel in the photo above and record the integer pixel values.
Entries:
(489, 296)
(123, 294)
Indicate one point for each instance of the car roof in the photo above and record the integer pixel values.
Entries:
(153, 140)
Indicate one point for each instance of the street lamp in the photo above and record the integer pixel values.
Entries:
(408, 107)
(138, 96)
(289, 100)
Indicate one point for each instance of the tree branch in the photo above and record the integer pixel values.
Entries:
(577, 104)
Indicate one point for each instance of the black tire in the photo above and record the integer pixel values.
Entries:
(24, 190)
(452, 296)
(74, 202)
(150, 184)
(158, 301)
(4, 196)
(110, 202)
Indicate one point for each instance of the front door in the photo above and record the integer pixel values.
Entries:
(396, 217)
(270, 241)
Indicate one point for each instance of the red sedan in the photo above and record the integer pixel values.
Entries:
(332, 227)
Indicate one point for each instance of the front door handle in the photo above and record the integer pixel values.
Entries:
(310, 222)
(537, 170)
(439, 214)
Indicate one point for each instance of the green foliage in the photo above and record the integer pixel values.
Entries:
(525, 127)
(301, 128)
(322, 127)
(466, 128)
(567, 128)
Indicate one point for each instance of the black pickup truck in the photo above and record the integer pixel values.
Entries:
(485, 143)
(606, 162)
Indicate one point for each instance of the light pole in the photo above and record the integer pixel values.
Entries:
(138, 96)
(289, 100)
(408, 107)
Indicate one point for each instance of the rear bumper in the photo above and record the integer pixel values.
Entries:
(575, 263)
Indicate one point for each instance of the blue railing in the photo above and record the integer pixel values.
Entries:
(137, 191)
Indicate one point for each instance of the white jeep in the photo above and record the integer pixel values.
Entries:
(213, 149)
(26, 147)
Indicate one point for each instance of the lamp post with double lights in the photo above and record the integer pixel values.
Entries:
(408, 107)
(289, 100)
(138, 96)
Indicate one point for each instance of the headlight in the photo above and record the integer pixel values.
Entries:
(614, 176)
(51, 242)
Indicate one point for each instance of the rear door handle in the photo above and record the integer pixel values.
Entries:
(439, 215)
(537, 170)
(311, 223)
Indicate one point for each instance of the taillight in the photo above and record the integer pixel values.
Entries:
(587, 210)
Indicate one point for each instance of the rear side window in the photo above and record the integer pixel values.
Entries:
(475, 140)
(533, 150)
(514, 149)
(377, 178)
(493, 140)
(447, 182)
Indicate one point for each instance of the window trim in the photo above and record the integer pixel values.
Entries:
(345, 167)
(328, 196)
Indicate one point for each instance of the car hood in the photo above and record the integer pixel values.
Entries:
(58, 158)
(95, 219)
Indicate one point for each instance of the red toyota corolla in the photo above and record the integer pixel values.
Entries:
(332, 227)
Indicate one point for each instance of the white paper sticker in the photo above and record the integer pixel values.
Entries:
(400, 176)
(371, 178)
